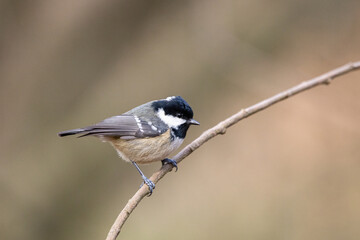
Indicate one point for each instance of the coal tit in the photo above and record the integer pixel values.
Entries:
(145, 134)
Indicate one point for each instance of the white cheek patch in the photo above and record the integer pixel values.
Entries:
(171, 121)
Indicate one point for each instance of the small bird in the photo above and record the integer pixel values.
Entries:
(145, 134)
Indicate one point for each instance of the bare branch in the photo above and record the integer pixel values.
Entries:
(221, 128)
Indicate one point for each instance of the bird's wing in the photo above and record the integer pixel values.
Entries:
(124, 126)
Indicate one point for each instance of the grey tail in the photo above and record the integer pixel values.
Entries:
(71, 132)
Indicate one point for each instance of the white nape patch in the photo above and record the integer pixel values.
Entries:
(171, 121)
(138, 122)
(152, 126)
(170, 98)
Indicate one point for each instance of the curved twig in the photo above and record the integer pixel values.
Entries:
(221, 128)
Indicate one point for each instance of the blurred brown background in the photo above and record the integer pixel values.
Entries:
(290, 172)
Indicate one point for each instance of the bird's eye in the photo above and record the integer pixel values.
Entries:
(179, 115)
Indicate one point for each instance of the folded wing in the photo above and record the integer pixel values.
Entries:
(122, 126)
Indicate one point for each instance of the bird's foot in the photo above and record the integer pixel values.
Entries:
(170, 161)
(149, 183)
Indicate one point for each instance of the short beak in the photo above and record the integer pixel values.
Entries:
(193, 122)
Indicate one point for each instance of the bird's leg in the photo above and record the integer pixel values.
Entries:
(170, 161)
(147, 181)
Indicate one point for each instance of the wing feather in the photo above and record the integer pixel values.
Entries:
(123, 126)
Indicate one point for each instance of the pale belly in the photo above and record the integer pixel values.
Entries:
(146, 150)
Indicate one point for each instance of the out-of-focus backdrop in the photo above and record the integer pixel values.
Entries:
(290, 172)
